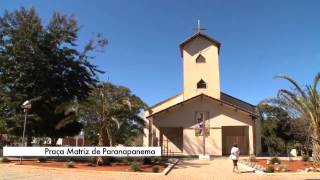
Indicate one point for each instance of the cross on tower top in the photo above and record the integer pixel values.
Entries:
(199, 28)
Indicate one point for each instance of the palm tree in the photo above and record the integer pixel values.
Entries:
(109, 110)
(304, 102)
(103, 107)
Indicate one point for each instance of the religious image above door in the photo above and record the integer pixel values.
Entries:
(202, 123)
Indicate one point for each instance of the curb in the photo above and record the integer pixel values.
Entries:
(169, 168)
(258, 172)
(292, 173)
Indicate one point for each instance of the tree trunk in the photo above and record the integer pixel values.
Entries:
(29, 140)
(316, 149)
(53, 141)
(102, 160)
(110, 137)
(101, 137)
(316, 154)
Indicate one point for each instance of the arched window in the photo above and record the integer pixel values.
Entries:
(200, 59)
(201, 84)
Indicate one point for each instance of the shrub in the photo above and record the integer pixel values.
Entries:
(156, 160)
(135, 166)
(155, 168)
(113, 159)
(107, 163)
(4, 160)
(269, 169)
(283, 167)
(275, 160)
(69, 164)
(129, 160)
(164, 161)
(252, 158)
(147, 160)
(305, 158)
(42, 160)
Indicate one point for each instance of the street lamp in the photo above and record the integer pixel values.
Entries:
(25, 106)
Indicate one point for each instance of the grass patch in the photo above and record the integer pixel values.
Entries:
(269, 169)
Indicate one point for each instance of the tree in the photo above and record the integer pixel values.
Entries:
(275, 129)
(304, 103)
(111, 115)
(301, 134)
(43, 63)
(3, 109)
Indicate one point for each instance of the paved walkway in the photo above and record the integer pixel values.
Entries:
(220, 168)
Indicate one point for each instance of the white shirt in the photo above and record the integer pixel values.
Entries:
(235, 152)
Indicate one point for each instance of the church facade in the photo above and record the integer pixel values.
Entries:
(202, 120)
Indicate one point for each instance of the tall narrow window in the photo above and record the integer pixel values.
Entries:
(201, 84)
(200, 59)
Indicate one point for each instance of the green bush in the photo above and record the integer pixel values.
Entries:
(42, 160)
(164, 161)
(147, 160)
(155, 168)
(4, 160)
(269, 169)
(107, 163)
(305, 158)
(69, 164)
(135, 166)
(275, 160)
(129, 160)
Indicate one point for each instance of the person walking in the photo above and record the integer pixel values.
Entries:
(234, 156)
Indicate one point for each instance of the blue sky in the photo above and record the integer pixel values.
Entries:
(259, 40)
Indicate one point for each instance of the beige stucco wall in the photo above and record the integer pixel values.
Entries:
(193, 144)
(219, 115)
(208, 71)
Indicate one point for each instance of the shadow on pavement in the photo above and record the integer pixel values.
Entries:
(186, 164)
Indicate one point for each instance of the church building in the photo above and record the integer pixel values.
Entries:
(202, 120)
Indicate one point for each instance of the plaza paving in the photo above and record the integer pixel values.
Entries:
(220, 168)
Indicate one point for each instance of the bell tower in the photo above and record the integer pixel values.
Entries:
(200, 54)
